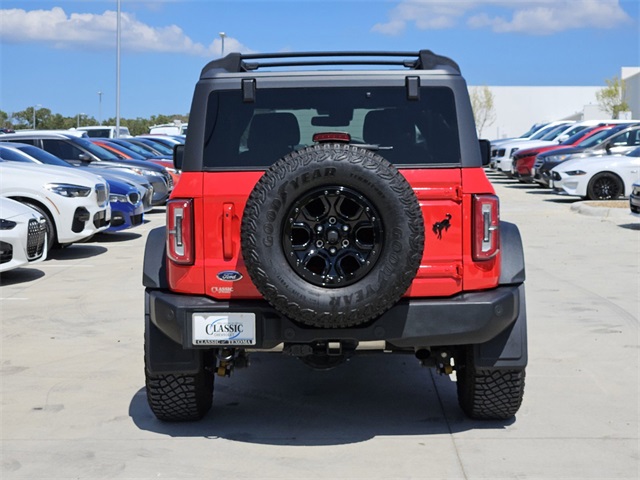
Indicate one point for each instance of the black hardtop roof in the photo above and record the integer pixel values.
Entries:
(421, 60)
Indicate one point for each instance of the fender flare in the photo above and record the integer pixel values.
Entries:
(509, 349)
(154, 269)
(512, 269)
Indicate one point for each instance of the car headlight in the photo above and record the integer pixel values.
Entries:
(573, 173)
(68, 190)
(116, 197)
(513, 150)
(146, 172)
(6, 224)
(557, 158)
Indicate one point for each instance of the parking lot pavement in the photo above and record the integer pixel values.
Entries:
(73, 400)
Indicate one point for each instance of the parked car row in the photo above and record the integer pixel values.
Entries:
(599, 161)
(70, 188)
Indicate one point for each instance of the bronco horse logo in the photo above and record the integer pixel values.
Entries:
(442, 225)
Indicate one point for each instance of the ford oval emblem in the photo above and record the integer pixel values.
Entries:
(230, 276)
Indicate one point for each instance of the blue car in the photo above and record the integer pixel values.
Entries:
(127, 210)
(127, 206)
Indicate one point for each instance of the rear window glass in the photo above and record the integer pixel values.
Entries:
(406, 132)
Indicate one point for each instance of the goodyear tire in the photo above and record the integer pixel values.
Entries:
(488, 393)
(332, 235)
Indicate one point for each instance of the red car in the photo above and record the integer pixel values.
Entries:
(125, 153)
(523, 160)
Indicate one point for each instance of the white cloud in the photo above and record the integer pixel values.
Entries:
(535, 17)
(97, 32)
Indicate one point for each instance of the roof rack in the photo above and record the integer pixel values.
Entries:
(422, 60)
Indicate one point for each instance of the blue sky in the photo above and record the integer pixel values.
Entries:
(60, 54)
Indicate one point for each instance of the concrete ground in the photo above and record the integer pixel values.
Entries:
(74, 406)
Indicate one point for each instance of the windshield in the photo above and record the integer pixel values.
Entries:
(280, 121)
(99, 152)
(554, 133)
(581, 135)
(542, 132)
(533, 130)
(158, 146)
(127, 150)
(595, 139)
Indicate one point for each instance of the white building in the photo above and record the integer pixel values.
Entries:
(517, 108)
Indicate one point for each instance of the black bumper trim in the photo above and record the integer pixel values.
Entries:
(467, 318)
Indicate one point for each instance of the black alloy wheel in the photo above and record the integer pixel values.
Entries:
(333, 236)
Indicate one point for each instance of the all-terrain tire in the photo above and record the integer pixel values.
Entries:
(305, 246)
(180, 397)
(489, 393)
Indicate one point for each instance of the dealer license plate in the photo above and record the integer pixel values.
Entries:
(223, 329)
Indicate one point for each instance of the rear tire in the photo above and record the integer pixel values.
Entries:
(489, 393)
(180, 397)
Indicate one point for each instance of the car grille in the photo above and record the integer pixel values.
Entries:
(102, 195)
(148, 197)
(169, 180)
(36, 235)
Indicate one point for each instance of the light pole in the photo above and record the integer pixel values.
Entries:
(222, 35)
(80, 115)
(34, 115)
(117, 134)
(100, 107)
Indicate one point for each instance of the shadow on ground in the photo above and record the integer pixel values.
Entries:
(280, 401)
(76, 252)
(115, 237)
(20, 275)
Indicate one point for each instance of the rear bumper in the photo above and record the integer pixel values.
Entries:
(465, 319)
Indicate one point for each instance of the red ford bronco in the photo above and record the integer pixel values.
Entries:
(325, 210)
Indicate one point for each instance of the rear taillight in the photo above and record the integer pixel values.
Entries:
(486, 224)
(180, 231)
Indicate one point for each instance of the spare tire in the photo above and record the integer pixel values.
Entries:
(332, 235)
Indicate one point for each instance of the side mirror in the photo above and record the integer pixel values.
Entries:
(178, 153)
(607, 147)
(84, 158)
(485, 152)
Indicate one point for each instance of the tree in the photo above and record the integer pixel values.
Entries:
(4, 119)
(612, 97)
(482, 104)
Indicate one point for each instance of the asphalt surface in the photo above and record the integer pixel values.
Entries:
(74, 406)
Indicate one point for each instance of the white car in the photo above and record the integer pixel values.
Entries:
(105, 131)
(23, 235)
(75, 204)
(502, 153)
(598, 178)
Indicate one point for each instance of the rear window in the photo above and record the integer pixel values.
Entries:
(406, 132)
(98, 132)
